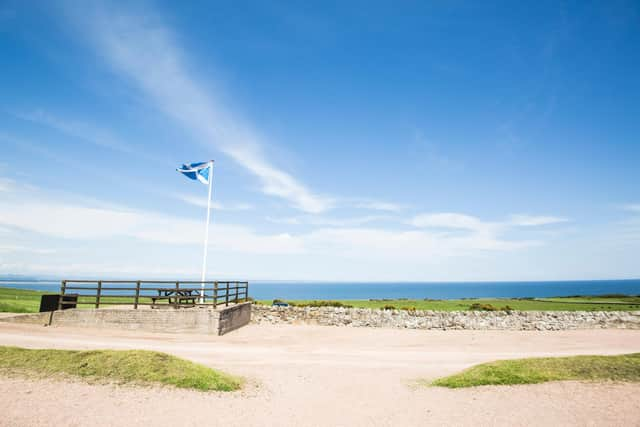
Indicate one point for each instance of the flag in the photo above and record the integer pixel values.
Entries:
(200, 171)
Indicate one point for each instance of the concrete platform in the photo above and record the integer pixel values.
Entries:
(195, 320)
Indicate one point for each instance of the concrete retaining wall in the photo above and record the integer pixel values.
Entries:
(192, 320)
(234, 317)
(476, 320)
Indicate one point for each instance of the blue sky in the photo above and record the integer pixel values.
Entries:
(353, 140)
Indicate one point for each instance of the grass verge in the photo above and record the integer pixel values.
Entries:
(538, 370)
(19, 300)
(587, 303)
(130, 366)
(27, 301)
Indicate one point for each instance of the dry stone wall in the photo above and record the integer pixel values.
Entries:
(474, 320)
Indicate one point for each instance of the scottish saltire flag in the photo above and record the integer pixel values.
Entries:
(200, 171)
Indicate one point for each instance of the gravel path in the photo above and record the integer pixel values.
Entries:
(308, 376)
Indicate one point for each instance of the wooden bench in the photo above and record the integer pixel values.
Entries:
(179, 296)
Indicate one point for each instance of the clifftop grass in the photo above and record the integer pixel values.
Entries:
(27, 301)
(584, 303)
(538, 370)
(131, 366)
(19, 300)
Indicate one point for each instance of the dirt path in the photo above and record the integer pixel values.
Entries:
(311, 376)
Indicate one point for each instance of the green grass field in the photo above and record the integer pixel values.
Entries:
(19, 301)
(537, 370)
(130, 366)
(24, 301)
(595, 303)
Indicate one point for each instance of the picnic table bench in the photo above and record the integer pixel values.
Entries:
(184, 296)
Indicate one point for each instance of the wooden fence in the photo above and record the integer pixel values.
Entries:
(157, 294)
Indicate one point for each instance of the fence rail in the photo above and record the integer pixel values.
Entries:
(157, 294)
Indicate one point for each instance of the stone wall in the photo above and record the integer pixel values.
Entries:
(191, 320)
(476, 320)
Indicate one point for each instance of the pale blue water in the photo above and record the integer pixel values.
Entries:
(436, 290)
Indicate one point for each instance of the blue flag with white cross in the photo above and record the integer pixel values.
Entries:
(200, 171)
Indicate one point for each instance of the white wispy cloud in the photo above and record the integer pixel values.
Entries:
(86, 222)
(533, 220)
(78, 129)
(427, 149)
(17, 248)
(470, 233)
(377, 205)
(70, 218)
(216, 205)
(416, 245)
(145, 53)
(448, 220)
(90, 223)
(632, 207)
(458, 221)
(329, 221)
(6, 184)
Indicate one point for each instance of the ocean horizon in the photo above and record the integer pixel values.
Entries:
(328, 290)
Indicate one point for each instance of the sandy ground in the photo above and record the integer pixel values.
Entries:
(326, 376)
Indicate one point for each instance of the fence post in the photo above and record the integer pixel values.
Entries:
(226, 301)
(135, 302)
(246, 291)
(177, 290)
(63, 288)
(98, 294)
(236, 298)
(215, 294)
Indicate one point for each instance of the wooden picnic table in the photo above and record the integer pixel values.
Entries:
(178, 296)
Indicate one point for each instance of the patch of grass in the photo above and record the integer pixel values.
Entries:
(595, 303)
(26, 301)
(537, 370)
(19, 300)
(14, 300)
(131, 366)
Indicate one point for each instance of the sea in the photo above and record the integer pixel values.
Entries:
(307, 290)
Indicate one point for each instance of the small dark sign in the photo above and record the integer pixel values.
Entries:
(50, 302)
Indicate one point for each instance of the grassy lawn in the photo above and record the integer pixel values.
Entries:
(623, 299)
(19, 300)
(537, 370)
(596, 303)
(131, 366)
(24, 301)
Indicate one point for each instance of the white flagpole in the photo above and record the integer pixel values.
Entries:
(206, 235)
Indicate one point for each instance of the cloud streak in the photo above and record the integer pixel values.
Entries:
(534, 221)
(325, 221)
(71, 218)
(376, 205)
(457, 221)
(471, 233)
(92, 223)
(146, 54)
(201, 202)
(448, 220)
(632, 207)
(77, 129)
